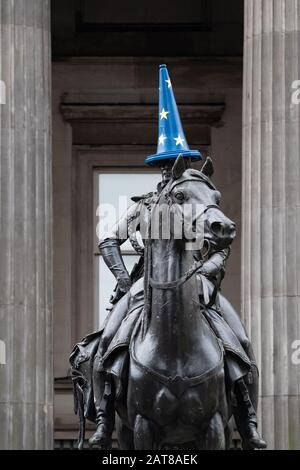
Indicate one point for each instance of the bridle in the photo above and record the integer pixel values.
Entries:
(178, 282)
(197, 265)
(149, 282)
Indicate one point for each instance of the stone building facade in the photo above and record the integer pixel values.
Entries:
(79, 99)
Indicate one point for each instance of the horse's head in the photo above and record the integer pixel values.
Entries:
(192, 194)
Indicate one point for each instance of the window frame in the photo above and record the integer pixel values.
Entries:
(109, 170)
(85, 161)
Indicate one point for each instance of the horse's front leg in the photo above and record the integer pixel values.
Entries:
(143, 434)
(214, 438)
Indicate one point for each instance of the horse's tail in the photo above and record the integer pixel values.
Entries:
(79, 407)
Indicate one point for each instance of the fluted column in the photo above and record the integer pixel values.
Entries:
(26, 378)
(271, 218)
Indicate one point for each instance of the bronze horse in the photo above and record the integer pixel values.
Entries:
(176, 392)
(171, 387)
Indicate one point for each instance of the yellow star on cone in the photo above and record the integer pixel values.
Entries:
(164, 114)
(179, 140)
(162, 139)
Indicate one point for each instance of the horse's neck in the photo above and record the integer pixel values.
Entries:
(169, 260)
(172, 315)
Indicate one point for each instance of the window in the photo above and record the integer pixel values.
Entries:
(113, 192)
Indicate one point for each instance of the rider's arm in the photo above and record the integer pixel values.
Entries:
(109, 247)
(216, 263)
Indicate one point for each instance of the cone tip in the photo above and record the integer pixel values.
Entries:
(163, 66)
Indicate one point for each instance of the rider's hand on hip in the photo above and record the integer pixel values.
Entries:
(124, 283)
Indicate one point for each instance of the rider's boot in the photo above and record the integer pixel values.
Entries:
(252, 378)
(246, 418)
(105, 410)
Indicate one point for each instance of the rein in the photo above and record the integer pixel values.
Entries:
(178, 282)
(149, 282)
(188, 274)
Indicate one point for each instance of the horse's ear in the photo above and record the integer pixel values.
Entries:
(208, 167)
(178, 167)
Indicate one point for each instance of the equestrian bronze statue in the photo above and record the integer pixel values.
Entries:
(172, 363)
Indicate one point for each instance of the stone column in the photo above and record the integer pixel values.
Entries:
(271, 217)
(26, 377)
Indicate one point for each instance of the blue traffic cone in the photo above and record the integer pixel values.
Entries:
(171, 138)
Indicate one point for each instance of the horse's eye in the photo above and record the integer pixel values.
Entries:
(218, 197)
(179, 196)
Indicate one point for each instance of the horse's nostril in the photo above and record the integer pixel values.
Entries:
(231, 229)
